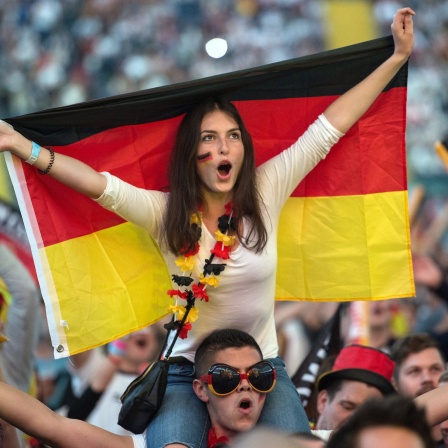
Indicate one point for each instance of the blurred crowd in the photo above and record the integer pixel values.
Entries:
(54, 52)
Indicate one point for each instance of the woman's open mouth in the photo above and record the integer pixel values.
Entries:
(224, 170)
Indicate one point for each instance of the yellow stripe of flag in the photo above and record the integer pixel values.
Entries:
(112, 302)
(344, 229)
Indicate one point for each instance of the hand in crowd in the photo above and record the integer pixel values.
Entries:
(426, 271)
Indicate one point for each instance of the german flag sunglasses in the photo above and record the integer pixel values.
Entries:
(223, 379)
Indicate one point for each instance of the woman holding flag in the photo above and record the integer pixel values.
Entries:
(217, 231)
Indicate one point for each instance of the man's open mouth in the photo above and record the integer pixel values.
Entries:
(245, 404)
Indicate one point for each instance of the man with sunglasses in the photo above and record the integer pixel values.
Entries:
(232, 379)
(240, 405)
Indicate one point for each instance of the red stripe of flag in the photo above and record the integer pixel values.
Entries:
(274, 125)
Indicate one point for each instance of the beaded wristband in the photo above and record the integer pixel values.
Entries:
(47, 170)
(35, 151)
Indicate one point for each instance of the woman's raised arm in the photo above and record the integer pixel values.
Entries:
(349, 107)
(69, 171)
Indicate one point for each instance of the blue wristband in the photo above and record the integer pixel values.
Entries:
(35, 151)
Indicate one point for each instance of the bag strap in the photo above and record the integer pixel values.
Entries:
(170, 326)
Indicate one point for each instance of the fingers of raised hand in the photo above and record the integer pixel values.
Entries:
(403, 20)
(3, 123)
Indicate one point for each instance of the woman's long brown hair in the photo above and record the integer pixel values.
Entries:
(185, 184)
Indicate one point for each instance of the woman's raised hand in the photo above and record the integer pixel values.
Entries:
(67, 170)
(9, 138)
(403, 32)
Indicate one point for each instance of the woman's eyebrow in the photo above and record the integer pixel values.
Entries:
(215, 132)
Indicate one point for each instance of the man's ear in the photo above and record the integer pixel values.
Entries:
(394, 383)
(200, 389)
(322, 401)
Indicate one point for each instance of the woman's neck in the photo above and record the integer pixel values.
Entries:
(214, 206)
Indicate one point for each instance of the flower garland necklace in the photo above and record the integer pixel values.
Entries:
(209, 277)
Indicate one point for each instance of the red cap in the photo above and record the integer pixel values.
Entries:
(360, 363)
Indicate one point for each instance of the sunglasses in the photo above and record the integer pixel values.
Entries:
(223, 379)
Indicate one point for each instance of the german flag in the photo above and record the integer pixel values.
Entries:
(344, 233)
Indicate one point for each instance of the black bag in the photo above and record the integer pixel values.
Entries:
(142, 398)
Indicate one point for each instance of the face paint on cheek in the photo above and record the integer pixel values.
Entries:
(205, 157)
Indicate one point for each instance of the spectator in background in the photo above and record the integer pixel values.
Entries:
(358, 374)
(127, 357)
(392, 422)
(17, 353)
(419, 363)
(268, 438)
(430, 276)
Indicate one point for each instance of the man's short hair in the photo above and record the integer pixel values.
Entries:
(220, 340)
(334, 386)
(392, 411)
(411, 344)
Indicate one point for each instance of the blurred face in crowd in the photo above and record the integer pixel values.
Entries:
(388, 437)
(380, 313)
(134, 350)
(141, 345)
(420, 373)
(333, 412)
(263, 437)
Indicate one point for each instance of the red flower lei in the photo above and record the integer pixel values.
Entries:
(186, 315)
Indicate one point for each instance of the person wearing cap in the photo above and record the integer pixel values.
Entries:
(358, 374)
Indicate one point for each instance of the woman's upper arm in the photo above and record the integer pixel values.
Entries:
(139, 206)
